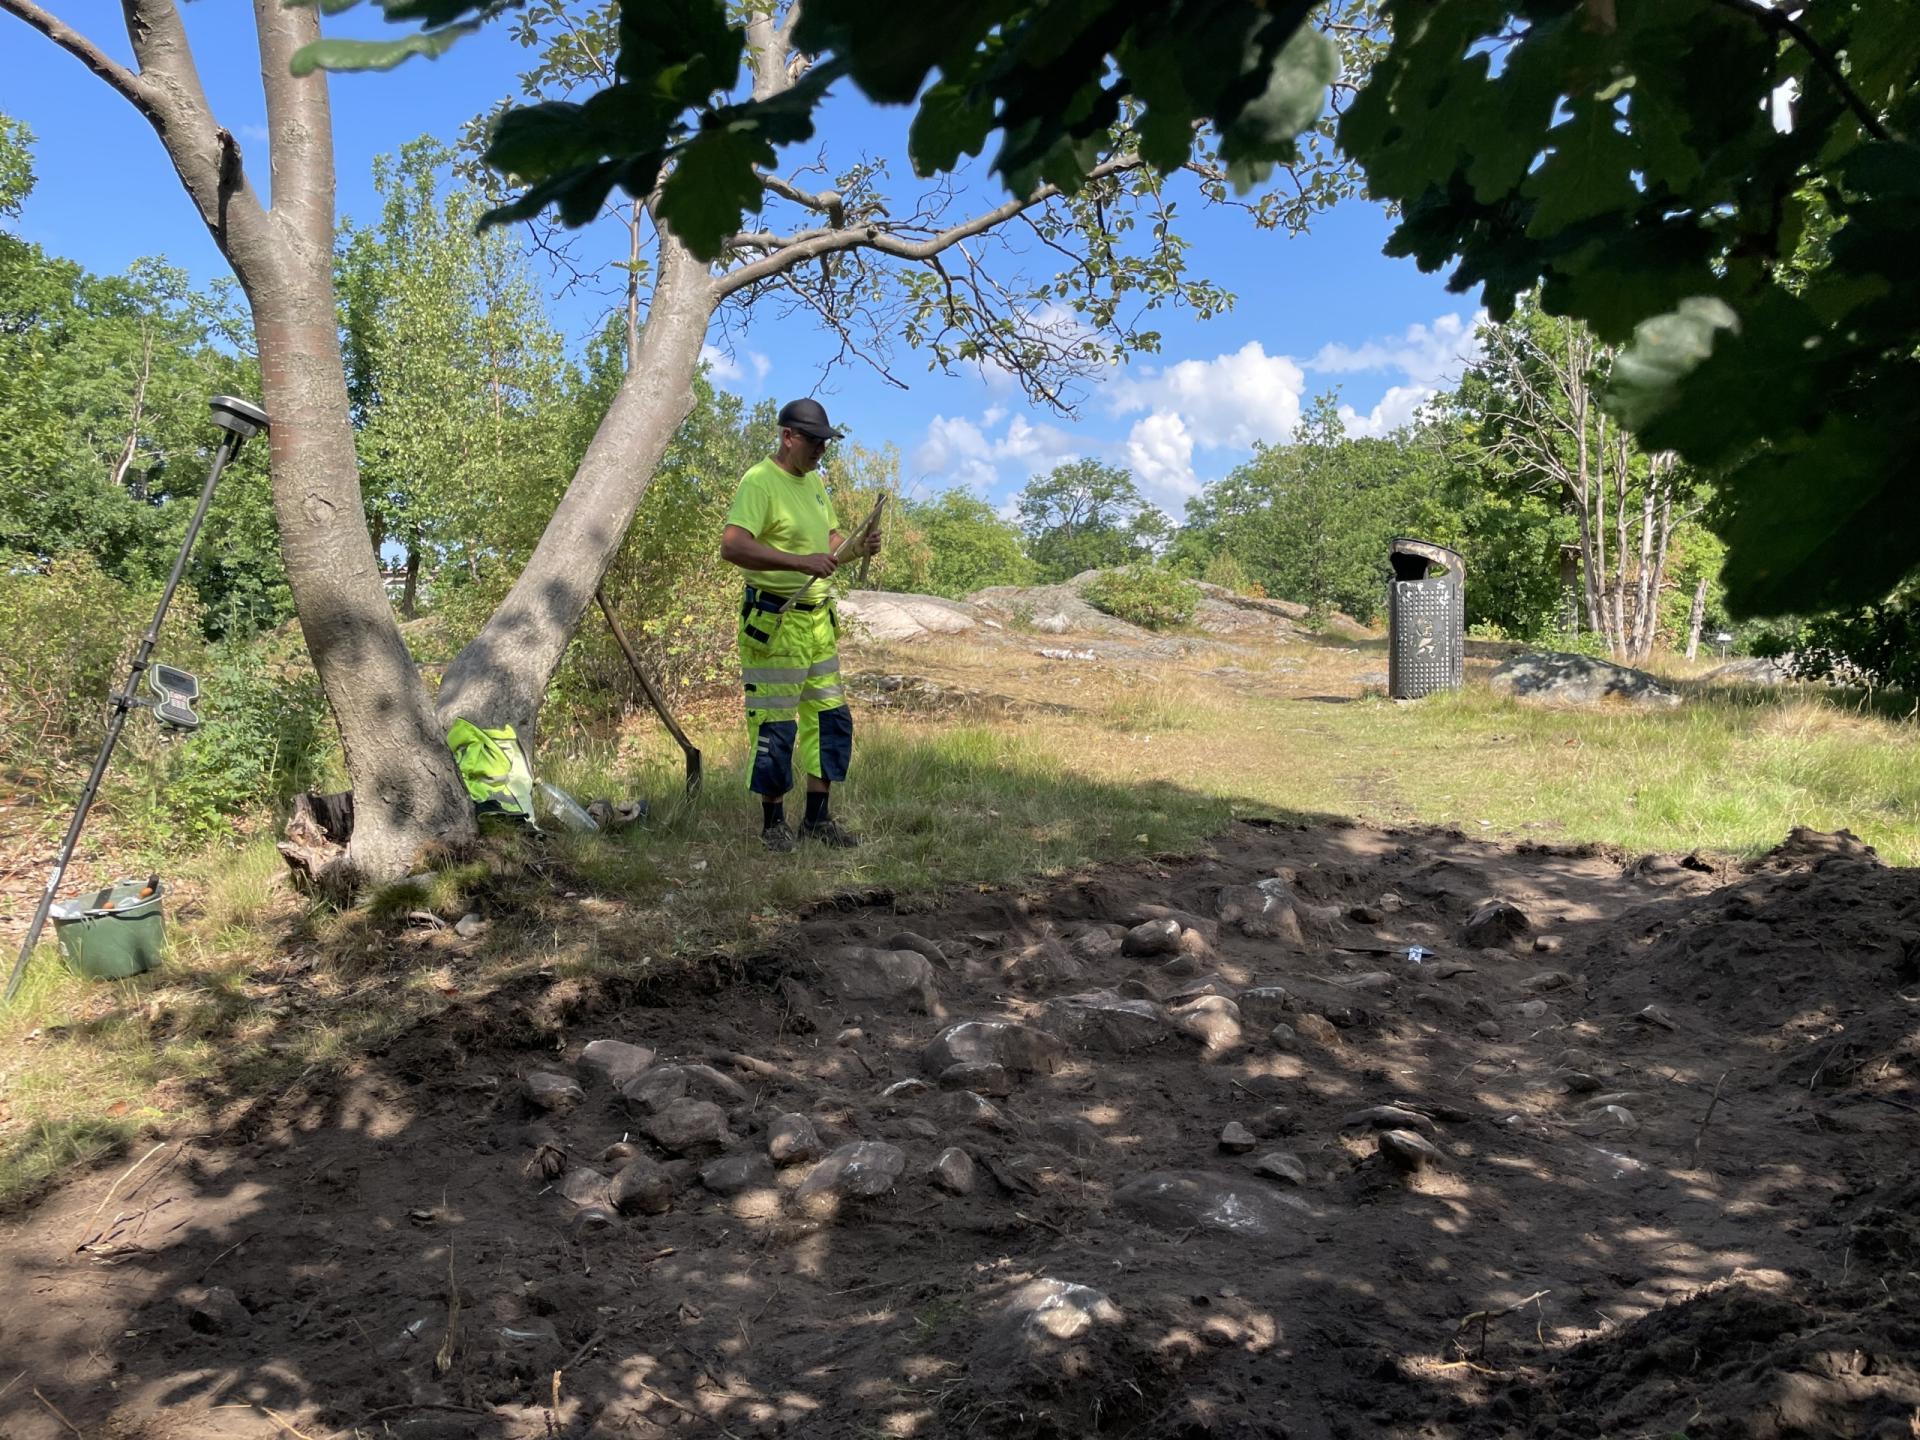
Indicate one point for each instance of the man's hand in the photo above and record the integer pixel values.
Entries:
(819, 565)
(872, 546)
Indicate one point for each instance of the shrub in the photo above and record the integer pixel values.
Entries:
(1144, 595)
(1228, 573)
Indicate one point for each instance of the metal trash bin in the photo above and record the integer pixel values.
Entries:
(1426, 619)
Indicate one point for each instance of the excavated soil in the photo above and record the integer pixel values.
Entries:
(1652, 1172)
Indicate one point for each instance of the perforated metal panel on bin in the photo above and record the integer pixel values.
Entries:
(1426, 619)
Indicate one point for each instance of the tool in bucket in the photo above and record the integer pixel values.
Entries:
(687, 747)
(175, 689)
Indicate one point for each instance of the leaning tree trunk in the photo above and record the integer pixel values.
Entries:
(501, 676)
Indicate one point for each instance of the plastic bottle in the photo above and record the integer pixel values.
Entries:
(554, 809)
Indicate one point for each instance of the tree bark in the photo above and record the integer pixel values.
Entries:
(502, 674)
(408, 798)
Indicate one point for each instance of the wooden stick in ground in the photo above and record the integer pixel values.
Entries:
(687, 747)
(1707, 1118)
(685, 1409)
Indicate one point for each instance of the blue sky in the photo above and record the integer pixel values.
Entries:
(1313, 311)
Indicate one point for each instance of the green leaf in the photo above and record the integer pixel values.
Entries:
(1589, 172)
(713, 184)
(1829, 519)
(351, 55)
(1290, 99)
(951, 122)
(1665, 351)
(531, 142)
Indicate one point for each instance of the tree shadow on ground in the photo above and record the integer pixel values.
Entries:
(411, 1247)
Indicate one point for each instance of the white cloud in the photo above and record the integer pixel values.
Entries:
(725, 366)
(1230, 400)
(955, 450)
(1160, 454)
(960, 451)
(1396, 408)
(720, 365)
(1429, 355)
(1042, 446)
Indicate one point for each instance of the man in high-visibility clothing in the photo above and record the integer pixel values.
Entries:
(782, 531)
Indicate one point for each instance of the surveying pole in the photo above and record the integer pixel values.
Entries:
(240, 420)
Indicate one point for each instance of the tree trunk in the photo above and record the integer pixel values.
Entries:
(1696, 618)
(501, 677)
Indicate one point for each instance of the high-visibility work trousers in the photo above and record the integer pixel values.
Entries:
(790, 667)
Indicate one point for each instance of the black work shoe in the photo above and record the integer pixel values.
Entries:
(831, 832)
(777, 838)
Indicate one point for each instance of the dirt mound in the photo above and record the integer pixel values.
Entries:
(1283, 1139)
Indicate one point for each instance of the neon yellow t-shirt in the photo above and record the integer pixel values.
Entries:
(789, 512)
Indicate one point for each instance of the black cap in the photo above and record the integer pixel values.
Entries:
(809, 417)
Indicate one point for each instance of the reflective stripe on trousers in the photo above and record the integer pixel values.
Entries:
(795, 706)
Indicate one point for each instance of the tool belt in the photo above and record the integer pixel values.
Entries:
(767, 602)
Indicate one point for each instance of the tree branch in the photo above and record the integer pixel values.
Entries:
(875, 237)
(827, 202)
(1783, 23)
(300, 120)
(88, 54)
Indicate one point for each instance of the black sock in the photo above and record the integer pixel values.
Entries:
(816, 807)
(772, 813)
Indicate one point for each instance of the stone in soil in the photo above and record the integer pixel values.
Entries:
(554, 1094)
(953, 1170)
(791, 1140)
(643, 1186)
(1274, 1120)
(1264, 1004)
(1284, 1037)
(1097, 942)
(1259, 914)
(1546, 980)
(1154, 937)
(983, 1078)
(1104, 1022)
(468, 926)
(1236, 1139)
(1020, 1049)
(1058, 1310)
(900, 977)
(1280, 1165)
(920, 945)
(1547, 944)
(215, 1310)
(1227, 1205)
(1213, 1020)
(861, 1170)
(689, 1127)
(584, 1187)
(1386, 1117)
(1495, 923)
(615, 1061)
(1318, 1029)
(1532, 1009)
(731, 1174)
(1407, 1151)
(963, 1107)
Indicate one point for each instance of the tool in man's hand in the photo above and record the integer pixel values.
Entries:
(848, 544)
(177, 689)
(687, 747)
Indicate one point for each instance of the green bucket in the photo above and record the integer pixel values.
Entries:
(114, 933)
